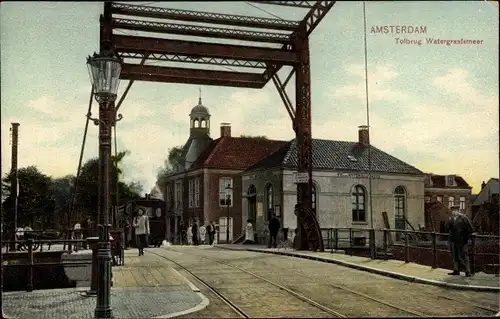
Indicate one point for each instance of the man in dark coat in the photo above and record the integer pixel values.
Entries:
(274, 227)
(459, 229)
(194, 230)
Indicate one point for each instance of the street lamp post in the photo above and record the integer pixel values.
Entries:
(104, 70)
(228, 204)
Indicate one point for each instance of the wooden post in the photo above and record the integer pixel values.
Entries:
(30, 265)
(434, 250)
(407, 247)
(386, 246)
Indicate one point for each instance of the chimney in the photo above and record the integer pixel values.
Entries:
(483, 184)
(225, 130)
(363, 134)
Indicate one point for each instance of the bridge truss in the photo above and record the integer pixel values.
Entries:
(276, 43)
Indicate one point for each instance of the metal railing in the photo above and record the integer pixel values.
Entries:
(411, 246)
(30, 245)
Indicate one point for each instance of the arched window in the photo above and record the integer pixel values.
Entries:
(196, 123)
(358, 204)
(400, 202)
(313, 198)
(270, 200)
(203, 124)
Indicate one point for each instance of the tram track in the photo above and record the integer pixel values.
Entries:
(233, 306)
(486, 308)
(335, 286)
(304, 298)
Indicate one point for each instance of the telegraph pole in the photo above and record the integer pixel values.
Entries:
(14, 184)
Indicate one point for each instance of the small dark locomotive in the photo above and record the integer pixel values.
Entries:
(155, 210)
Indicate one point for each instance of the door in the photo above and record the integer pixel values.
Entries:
(223, 230)
(252, 204)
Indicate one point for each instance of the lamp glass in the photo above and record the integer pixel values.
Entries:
(104, 73)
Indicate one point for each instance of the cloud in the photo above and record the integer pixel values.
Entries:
(377, 79)
(456, 84)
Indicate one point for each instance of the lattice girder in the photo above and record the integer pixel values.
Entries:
(200, 31)
(203, 17)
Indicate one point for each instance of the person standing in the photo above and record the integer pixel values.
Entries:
(249, 237)
(77, 234)
(195, 234)
(274, 227)
(211, 233)
(189, 234)
(141, 225)
(203, 233)
(459, 229)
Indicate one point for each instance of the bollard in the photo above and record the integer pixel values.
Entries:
(434, 250)
(93, 244)
(407, 248)
(373, 250)
(30, 265)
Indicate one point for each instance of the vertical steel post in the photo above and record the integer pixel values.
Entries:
(302, 127)
(107, 117)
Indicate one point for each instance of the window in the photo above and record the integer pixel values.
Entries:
(178, 195)
(191, 193)
(358, 204)
(225, 195)
(197, 192)
(270, 200)
(203, 124)
(451, 201)
(400, 202)
(427, 199)
(440, 199)
(450, 180)
(462, 203)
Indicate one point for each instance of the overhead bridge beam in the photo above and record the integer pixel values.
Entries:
(296, 4)
(191, 59)
(123, 43)
(203, 17)
(192, 76)
(200, 31)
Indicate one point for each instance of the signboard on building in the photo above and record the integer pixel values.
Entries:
(301, 178)
(357, 175)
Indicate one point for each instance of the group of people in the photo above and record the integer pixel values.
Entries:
(194, 235)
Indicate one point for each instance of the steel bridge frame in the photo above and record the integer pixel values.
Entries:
(291, 36)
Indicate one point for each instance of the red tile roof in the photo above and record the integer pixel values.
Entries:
(439, 181)
(236, 152)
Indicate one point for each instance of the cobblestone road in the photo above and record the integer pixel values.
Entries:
(347, 291)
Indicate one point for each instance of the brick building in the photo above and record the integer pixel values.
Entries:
(449, 190)
(197, 190)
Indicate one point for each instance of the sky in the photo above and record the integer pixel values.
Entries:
(433, 106)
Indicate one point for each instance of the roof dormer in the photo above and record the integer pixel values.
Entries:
(450, 181)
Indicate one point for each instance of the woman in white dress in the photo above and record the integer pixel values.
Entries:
(203, 232)
(190, 235)
(249, 237)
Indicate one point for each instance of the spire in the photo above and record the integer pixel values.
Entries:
(199, 100)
